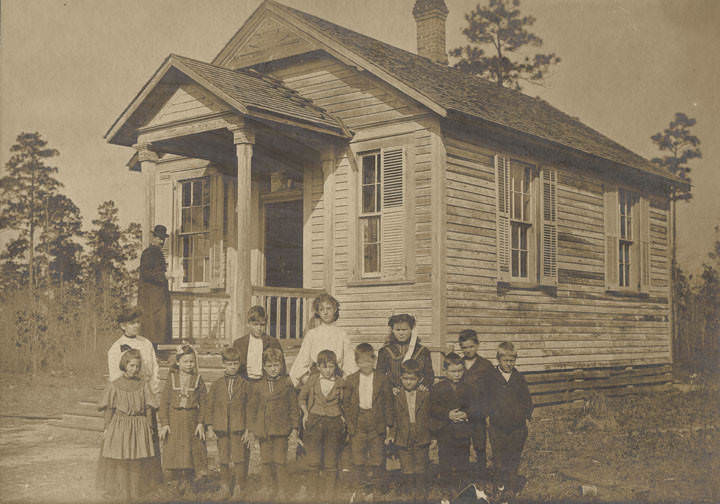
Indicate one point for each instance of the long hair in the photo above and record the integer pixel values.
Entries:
(397, 319)
(325, 298)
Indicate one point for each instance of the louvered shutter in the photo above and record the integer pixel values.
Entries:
(164, 215)
(612, 242)
(392, 251)
(644, 236)
(217, 242)
(502, 183)
(549, 227)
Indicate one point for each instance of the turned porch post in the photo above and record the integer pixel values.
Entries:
(148, 160)
(244, 138)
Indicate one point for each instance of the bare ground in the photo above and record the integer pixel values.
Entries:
(662, 447)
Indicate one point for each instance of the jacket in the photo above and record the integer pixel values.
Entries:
(272, 413)
(444, 398)
(401, 419)
(225, 413)
(381, 402)
(510, 403)
(154, 296)
(390, 358)
(476, 377)
(241, 345)
(311, 388)
(171, 398)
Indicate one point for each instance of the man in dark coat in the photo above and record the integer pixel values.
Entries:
(153, 291)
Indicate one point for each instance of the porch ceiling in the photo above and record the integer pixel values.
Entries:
(245, 92)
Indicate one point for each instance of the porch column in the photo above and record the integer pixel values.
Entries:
(148, 161)
(244, 138)
(329, 160)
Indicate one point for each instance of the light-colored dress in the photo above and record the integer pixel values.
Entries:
(323, 337)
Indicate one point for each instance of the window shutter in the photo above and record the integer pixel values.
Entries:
(611, 237)
(644, 235)
(502, 183)
(164, 215)
(549, 227)
(217, 243)
(392, 253)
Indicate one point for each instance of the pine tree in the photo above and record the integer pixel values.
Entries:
(29, 183)
(501, 28)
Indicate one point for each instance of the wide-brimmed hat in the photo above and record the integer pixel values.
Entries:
(160, 231)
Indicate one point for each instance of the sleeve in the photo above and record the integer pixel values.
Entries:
(293, 405)
(305, 393)
(202, 400)
(383, 361)
(427, 371)
(302, 361)
(349, 365)
(154, 375)
(251, 407)
(438, 410)
(210, 404)
(107, 404)
(152, 269)
(151, 398)
(389, 402)
(114, 362)
(527, 398)
(164, 406)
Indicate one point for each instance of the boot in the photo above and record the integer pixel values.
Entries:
(418, 488)
(238, 486)
(225, 480)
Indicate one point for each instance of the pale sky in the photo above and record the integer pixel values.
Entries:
(69, 67)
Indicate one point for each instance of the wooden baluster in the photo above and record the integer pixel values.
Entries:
(278, 312)
(298, 316)
(288, 300)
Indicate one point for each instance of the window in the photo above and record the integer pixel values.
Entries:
(381, 214)
(521, 175)
(195, 229)
(370, 214)
(526, 222)
(627, 202)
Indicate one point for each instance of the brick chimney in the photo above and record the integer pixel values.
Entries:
(430, 16)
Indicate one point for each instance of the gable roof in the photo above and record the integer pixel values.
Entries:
(446, 89)
(247, 91)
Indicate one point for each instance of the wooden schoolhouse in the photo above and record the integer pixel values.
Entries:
(307, 157)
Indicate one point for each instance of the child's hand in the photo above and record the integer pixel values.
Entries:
(456, 415)
(396, 390)
(304, 422)
(423, 388)
(248, 438)
(200, 431)
(164, 431)
(389, 439)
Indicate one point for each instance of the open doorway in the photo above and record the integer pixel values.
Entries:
(283, 244)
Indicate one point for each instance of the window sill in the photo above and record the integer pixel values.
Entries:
(504, 287)
(626, 293)
(370, 282)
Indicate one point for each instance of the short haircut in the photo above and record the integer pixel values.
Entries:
(506, 348)
(364, 349)
(326, 357)
(127, 356)
(468, 334)
(272, 355)
(257, 314)
(326, 298)
(230, 354)
(452, 359)
(410, 366)
(401, 317)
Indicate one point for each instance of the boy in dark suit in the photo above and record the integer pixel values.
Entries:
(226, 418)
(510, 409)
(451, 415)
(251, 346)
(410, 431)
(273, 417)
(476, 370)
(367, 402)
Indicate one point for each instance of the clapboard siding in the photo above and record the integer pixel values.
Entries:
(580, 325)
(357, 99)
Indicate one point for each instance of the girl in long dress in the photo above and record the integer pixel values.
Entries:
(128, 467)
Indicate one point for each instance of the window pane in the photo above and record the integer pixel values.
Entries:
(517, 206)
(196, 216)
(185, 221)
(197, 270)
(197, 193)
(369, 170)
(526, 180)
(526, 207)
(523, 264)
(370, 229)
(523, 237)
(206, 218)
(372, 258)
(206, 191)
(515, 263)
(186, 194)
(622, 227)
(186, 270)
(368, 199)
(515, 235)
(186, 246)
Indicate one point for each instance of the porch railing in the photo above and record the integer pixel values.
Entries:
(199, 315)
(207, 315)
(288, 310)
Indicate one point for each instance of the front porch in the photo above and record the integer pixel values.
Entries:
(236, 167)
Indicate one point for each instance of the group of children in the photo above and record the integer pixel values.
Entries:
(384, 404)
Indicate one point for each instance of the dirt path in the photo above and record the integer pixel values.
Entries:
(40, 463)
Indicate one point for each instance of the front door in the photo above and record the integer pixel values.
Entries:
(283, 244)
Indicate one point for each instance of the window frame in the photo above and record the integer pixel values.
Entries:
(526, 222)
(207, 268)
(628, 233)
(367, 216)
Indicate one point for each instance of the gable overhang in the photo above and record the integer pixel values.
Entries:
(124, 131)
(339, 51)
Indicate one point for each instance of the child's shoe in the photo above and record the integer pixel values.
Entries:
(223, 492)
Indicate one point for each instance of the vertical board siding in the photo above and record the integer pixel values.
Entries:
(580, 326)
(317, 225)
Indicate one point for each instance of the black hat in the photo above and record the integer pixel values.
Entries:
(160, 231)
(128, 315)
